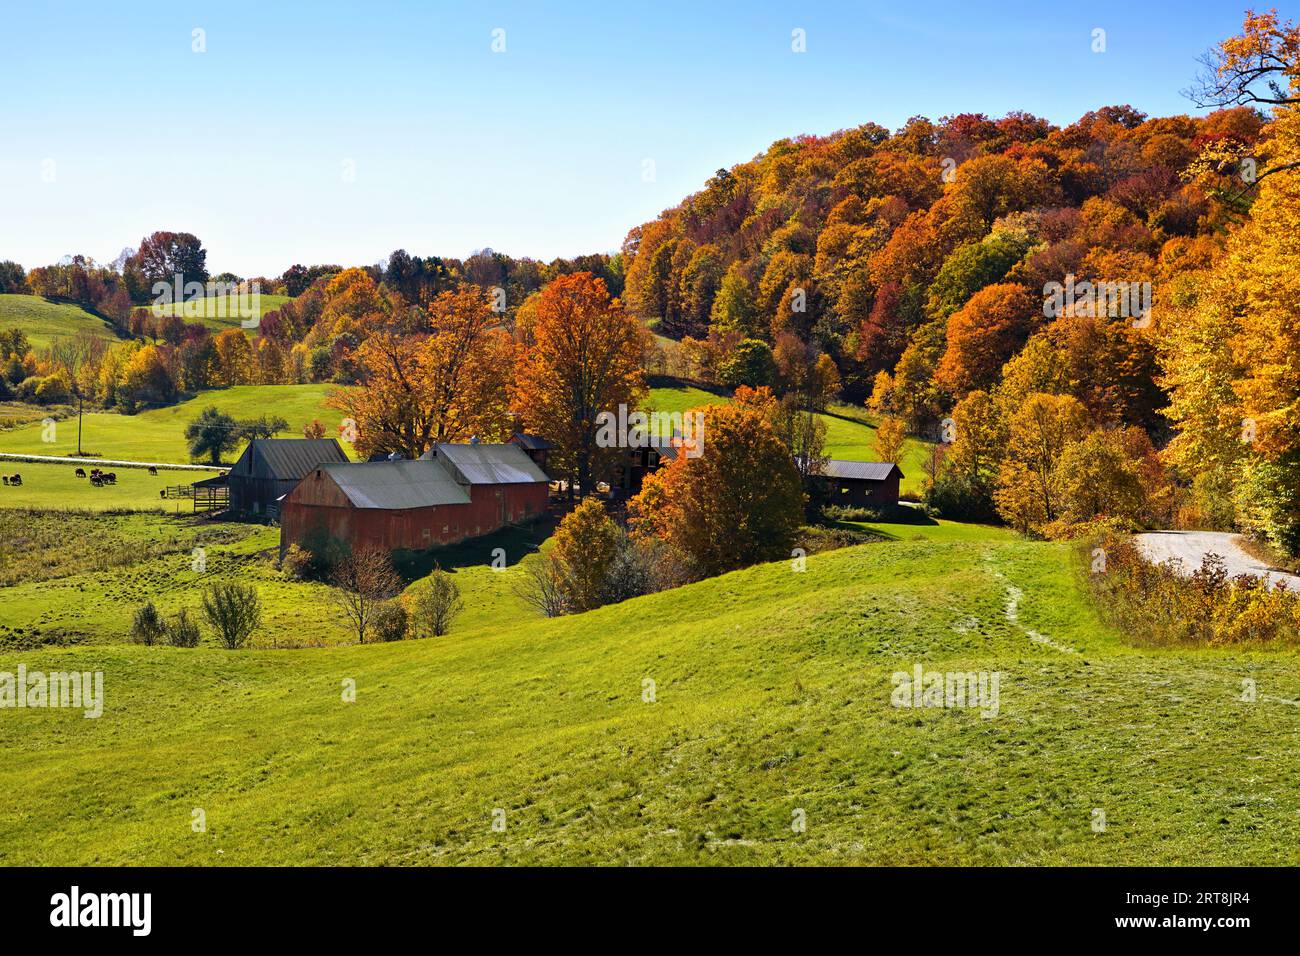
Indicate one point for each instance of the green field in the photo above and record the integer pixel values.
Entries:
(56, 486)
(56, 596)
(45, 321)
(158, 435)
(772, 696)
(219, 312)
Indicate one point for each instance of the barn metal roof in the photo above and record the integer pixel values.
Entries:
(860, 470)
(482, 464)
(532, 442)
(396, 485)
(286, 459)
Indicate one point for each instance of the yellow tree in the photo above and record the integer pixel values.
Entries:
(235, 360)
(586, 544)
(1029, 488)
(584, 357)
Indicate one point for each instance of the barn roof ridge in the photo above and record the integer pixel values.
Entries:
(286, 458)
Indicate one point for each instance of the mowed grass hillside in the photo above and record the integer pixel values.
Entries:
(158, 435)
(44, 321)
(220, 312)
(689, 727)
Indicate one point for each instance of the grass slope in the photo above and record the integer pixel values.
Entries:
(159, 434)
(772, 694)
(45, 321)
(219, 312)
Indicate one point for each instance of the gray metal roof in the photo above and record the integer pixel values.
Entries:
(532, 442)
(860, 470)
(395, 485)
(286, 459)
(482, 464)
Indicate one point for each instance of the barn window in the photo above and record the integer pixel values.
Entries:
(425, 534)
(444, 529)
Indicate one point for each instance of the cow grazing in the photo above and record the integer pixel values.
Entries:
(153, 471)
(111, 477)
(15, 479)
(81, 473)
(96, 481)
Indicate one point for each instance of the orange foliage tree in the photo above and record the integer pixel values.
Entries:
(448, 382)
(982, 335)
(739, 502)
(582, 356)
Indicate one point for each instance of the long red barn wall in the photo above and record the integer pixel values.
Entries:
(319, 504)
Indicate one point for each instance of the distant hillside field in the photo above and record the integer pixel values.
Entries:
(219, 312)
(159, 435)
(44, 321)
(688, 727)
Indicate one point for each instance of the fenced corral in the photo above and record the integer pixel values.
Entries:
(210, 498)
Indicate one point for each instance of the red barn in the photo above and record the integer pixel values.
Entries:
(451, 493)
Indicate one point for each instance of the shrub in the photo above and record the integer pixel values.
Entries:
(297, 563)
(234, 610)
(182, 630)
(148, 627)
(1166, 606)
(390, 621)
(436, 604)
(543, 586)
(363, 581)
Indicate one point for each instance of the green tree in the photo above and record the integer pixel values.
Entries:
(213, 434)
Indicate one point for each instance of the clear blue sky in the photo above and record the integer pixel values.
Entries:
(537, 151)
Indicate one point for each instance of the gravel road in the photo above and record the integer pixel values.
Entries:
(1191, 546)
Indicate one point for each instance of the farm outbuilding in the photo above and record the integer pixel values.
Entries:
(868, 483)
(269, 469)
(450, 493)
(536, 448)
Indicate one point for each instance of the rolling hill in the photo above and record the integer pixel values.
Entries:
(44, 321)
(770, 703)
(158, 435)
(218, 312)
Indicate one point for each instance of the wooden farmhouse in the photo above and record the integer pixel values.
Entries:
(450, 493)
(268, 470)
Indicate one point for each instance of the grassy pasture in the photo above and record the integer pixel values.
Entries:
(45, 321)
(47, 485)
(219, 312)
(850, 431)
(158, 435)
(772, 693)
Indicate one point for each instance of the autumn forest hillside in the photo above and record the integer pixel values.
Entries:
(923, 264)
